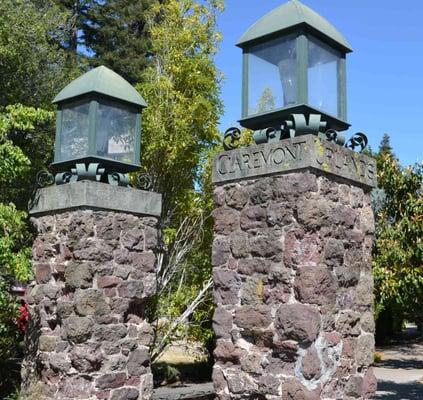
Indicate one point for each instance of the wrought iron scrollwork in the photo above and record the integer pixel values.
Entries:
(44, 178)
(92, 172)
(266, 135)
(231, 138)
(298, 125)
(64, 177)
(359, 140)
(118, 179)
(334, 136)
(80, 172)
(145, 182)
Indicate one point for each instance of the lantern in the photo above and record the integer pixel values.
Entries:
(294, 62)
(98, 121)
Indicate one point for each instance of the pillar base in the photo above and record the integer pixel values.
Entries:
(94, 272)
(293, 287)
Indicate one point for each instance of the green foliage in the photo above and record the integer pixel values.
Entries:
(385, 145)
(14, 264)
(74, 16)
(14, 259)
(106, 32)
(398, 253)
(33, 68)
(9, 335)
(26, 147)
(17, 124)
(181, 86)
(22, 144)
(115, 31)
(32, 64)
(10, 377)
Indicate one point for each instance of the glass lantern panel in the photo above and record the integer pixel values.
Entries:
(116, 130)
(74, 131)
(272, 75)
(323, 64)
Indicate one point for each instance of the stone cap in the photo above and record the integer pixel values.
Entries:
(97, 196)
(306, 152)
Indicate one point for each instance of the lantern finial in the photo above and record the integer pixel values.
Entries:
(288, 17)
(101, 80)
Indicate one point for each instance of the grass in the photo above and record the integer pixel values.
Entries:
(378, 357)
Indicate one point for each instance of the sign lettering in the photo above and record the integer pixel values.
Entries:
(303, 152)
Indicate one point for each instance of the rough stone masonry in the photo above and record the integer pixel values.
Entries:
(94, 271)
(293, 279)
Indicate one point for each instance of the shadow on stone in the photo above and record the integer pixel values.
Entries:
(399, 391)
(402, 364)
(204, 391)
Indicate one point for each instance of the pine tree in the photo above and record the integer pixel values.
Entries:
(385, 145)
(75, 13)
(115, 32)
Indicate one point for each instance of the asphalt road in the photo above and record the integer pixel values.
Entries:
(400, 373)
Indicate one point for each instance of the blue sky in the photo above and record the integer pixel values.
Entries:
(385, 71)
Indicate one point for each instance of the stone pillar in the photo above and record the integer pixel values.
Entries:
(292, 247)
(94, 264)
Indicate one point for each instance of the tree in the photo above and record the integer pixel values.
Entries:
(75, 16)
(33, 67)
(267, 101)
(385, 145)
(25, 125)
(398, 252)
(115, 32)
(181, 86)
(14, 239)
(30, 132)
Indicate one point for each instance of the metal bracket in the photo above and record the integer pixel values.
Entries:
(266, 135)
(82, 172)
(298, 125)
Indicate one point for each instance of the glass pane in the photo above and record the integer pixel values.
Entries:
(116, 132)
(323, 77)
(272, 80)
(75, 128)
